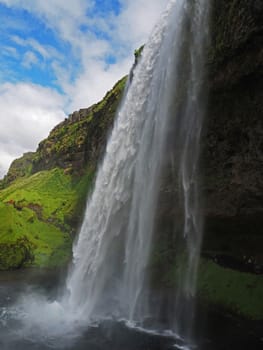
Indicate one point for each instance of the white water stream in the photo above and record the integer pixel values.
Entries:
(109, 276)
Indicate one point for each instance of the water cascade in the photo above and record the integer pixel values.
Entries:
(157, 132)
(164, 102)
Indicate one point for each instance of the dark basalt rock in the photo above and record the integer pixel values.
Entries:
(231, 163)
(232, 147)
(232, 156)
(257, 8)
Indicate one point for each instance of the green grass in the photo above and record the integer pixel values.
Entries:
(65, 140)
(138, 52)
(237, 291)
(231, 290)
(20, 167)
(39, 208)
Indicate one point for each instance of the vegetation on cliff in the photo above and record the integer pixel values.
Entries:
(37, 214)
(43, 196)
(232, 160)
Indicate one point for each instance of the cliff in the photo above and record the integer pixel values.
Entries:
(233, 148)
(43, 194)
(231, 267)
(233, 154)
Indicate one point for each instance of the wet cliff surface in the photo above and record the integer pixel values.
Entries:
(232, 160)
(233, 137)
(45, 191)
(231, 181)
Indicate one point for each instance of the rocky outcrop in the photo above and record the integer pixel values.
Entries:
(20, 167)
(43, 196)
(232, 162)
(75, 143)
(231, 267)
(233, 137)
(81, 138)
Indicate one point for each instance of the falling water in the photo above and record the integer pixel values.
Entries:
(160, 118)
(109, 274)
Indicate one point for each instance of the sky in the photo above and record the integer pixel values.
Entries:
(58, 56)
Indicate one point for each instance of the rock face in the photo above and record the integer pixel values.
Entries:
(233, 137)
(232, 180)
(43, 196)
(232, 160)
(75, 143)
(19, 168)
(81, 138)
(231, 267)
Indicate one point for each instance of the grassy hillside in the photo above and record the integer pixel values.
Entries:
(43, 195)
(36, 215)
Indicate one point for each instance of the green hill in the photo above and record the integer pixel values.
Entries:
(43, 195)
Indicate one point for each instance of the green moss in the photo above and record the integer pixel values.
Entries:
(111, 96)
(43, 197)
(83, 188)
(48, 192)
(138, 52)
(40, 209)
(233, 290)
(71, 144)
(20, 167)
(16, 254)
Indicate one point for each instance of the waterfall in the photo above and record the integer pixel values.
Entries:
(164, 102)
(157, 132)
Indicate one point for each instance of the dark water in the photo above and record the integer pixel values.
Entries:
(216, 331)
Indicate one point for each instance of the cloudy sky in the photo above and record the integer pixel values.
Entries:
(58, 56)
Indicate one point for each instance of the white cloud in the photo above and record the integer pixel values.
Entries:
(45, 51)
(137, 20)
(34, 110)
(97, 80)
(28, 112)
(29, 59)
(126, 32)
(9, 51)
(41, 49)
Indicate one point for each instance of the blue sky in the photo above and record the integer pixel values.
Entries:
(29, 45)
(58, 56)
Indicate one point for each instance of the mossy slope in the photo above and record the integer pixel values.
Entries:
(36, 213)
(43, 196)
(230, 289)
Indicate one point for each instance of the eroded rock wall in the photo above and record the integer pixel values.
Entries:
(232, 156)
